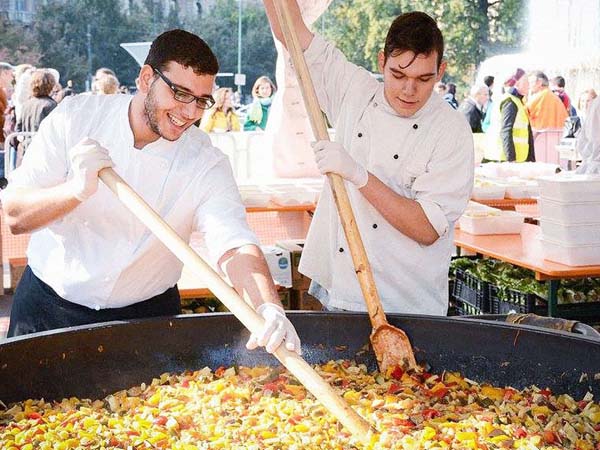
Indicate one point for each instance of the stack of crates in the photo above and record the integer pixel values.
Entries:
(469, 295)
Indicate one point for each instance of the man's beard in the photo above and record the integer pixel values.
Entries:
(151, 116)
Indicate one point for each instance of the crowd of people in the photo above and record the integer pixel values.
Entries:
(527, 104)
(28, 95)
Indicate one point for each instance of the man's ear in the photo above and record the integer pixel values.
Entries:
(145, 79)
(441, 70)
(381, 60)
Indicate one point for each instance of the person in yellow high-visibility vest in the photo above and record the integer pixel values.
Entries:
(515, 138)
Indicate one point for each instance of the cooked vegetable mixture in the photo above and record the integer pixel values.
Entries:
(266, 408)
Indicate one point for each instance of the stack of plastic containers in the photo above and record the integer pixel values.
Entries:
(570, 219)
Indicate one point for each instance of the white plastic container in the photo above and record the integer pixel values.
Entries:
(582, 234)
(571, 187)
(490, 192)
(569, 213)
(293, 196)
(517, 191)
(255, 196)
(571, 255)
(508, 222)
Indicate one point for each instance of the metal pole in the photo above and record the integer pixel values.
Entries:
(239, 55)
(89, 57)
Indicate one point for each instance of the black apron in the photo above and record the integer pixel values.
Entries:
(36, 307)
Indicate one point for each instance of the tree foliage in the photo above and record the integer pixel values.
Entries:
(473, 29)
(61, 36)
(17, 44)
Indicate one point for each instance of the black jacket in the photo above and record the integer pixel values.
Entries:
(473, 114)
(34, 111)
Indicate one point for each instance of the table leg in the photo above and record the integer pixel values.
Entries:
(552, 296)
(458, 250)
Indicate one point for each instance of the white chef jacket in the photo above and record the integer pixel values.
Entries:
(100, 255)
(427, 157)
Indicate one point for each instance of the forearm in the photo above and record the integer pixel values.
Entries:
(304, 34)
(402, 213)
(27, 209)
(249, 274)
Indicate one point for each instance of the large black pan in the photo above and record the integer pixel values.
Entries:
(93, 361)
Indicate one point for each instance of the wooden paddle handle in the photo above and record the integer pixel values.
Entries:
(225, 293)
(340, 195)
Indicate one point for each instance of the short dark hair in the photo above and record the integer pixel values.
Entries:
(488, 80)
(416, 32)
(183, 48)
(559, 81)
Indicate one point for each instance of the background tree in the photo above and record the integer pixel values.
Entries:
(219, 28)
(17, 44)
(473, 29)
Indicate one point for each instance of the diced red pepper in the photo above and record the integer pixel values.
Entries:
(220, 371)
(394, 388)
(404, 423)
(582, 404)
(294, 420)
(397, 373)
(520, 433)
(273, 387)
(185, 383)
(430, 413)
(160, 420)
(508, 394)
(546, 392)
(549, 437)
(440, 393)
(34, 415)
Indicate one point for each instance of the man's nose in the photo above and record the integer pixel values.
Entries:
(409, 87)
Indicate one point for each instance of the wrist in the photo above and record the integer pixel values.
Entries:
(361, 176)
(264, 306)
(76, 188)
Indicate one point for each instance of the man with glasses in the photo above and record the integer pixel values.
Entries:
(90, 260)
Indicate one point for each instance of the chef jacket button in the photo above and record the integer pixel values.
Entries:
(375, 104)
(359, 134)
(374, 225)
(415, 126)
(396, 156)
(341, 250)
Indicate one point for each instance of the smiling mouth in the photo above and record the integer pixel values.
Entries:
(407, 102)
(175, 121)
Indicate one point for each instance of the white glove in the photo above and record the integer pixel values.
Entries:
(276, 330)
(87, 159)
(333, 157)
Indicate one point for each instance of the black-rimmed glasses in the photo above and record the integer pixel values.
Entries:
(204, 102)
